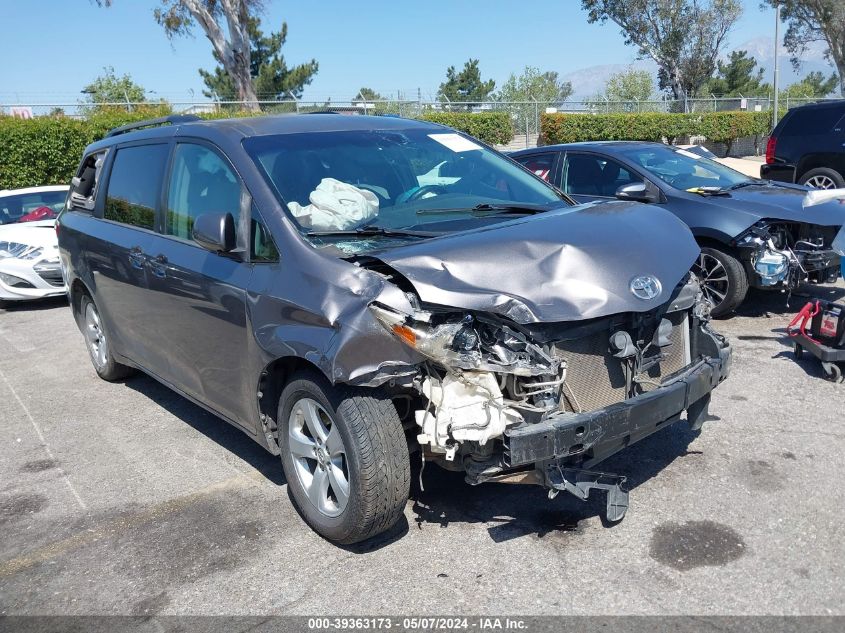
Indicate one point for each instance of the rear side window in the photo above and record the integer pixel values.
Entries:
(135, 184)
(83, 190)
(539, 164)
(201, 181)
(807, 121)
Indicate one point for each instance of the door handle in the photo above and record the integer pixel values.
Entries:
(137, 258)
(158, 265)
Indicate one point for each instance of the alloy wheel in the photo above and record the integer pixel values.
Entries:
(713, 278)
(319, 457)
(96, 337)
(821, 181)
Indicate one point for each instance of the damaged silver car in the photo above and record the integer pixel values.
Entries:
(356, 292)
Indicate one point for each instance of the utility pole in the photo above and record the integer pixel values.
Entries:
(776, 87)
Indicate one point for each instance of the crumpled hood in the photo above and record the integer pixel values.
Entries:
(776, 202)
(565, 265)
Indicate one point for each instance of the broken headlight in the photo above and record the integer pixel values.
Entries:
(772, 267)
(464, 342)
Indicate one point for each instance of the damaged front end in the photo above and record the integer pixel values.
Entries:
(545, 402)
(785, 254)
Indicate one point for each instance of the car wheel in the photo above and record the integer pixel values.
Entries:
(98, 343)
(722, 279)
(345, 458)
(823, 178)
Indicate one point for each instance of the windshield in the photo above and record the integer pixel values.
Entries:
(405, 179)
(29, 207)
(683, 169)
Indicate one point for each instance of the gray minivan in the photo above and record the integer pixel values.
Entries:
(349, 290)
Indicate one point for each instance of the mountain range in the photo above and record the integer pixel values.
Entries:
(589, 81)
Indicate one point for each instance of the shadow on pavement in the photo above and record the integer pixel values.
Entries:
(511, 510)
(213, 427)
(520, 510)
(760, 303)
(37, 304)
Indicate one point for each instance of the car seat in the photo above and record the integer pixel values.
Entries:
(584, 176)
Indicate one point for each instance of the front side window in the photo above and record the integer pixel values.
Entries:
(682, 169)
(201, 181)
(135, 184)
(590, 175)
(344, 180)
(262, 247)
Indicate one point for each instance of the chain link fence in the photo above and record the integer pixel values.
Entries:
(525, 114)
(529, 110)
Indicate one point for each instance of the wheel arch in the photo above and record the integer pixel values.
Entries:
(272, 381)
(77, 290)
(835, 162)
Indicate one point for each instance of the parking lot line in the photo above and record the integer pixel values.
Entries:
(43, 441)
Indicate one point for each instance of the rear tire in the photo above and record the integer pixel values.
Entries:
(823, 178)
(722, 279)
(98, 343)
(345, 457)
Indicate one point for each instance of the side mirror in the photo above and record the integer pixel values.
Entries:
(638, 192)
(215, 232)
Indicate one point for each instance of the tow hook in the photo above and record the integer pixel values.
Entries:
(580, 482)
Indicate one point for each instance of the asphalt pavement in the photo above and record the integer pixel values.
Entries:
(127, 499)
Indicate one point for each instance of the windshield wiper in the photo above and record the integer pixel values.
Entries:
(371, 230)
(747, 183)
(486, 208)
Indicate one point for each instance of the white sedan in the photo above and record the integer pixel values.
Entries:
(29, 252)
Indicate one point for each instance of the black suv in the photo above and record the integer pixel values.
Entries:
(351, 289)
(808, 147)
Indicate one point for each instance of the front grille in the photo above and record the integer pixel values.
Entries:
(596, 379)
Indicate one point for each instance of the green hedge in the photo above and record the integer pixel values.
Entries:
(491, 127)
(46, 150)
(722, 127)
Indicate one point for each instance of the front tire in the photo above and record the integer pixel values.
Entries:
(98, 343)
(345, 458)
(823, 178)
(722, 279)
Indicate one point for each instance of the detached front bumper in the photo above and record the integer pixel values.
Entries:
(587, 438)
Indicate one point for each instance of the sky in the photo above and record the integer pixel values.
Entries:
(52, 48)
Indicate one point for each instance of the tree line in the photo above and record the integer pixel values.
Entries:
(684, 38)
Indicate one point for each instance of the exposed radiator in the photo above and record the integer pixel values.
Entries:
(595, 379)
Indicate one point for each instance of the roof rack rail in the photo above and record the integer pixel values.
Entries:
(174, 119)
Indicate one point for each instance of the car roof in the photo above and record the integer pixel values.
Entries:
(25, 190)
(587, 145)
(819, 105)
(266, 125)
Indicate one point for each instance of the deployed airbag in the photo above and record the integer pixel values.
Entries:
(336, 206)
